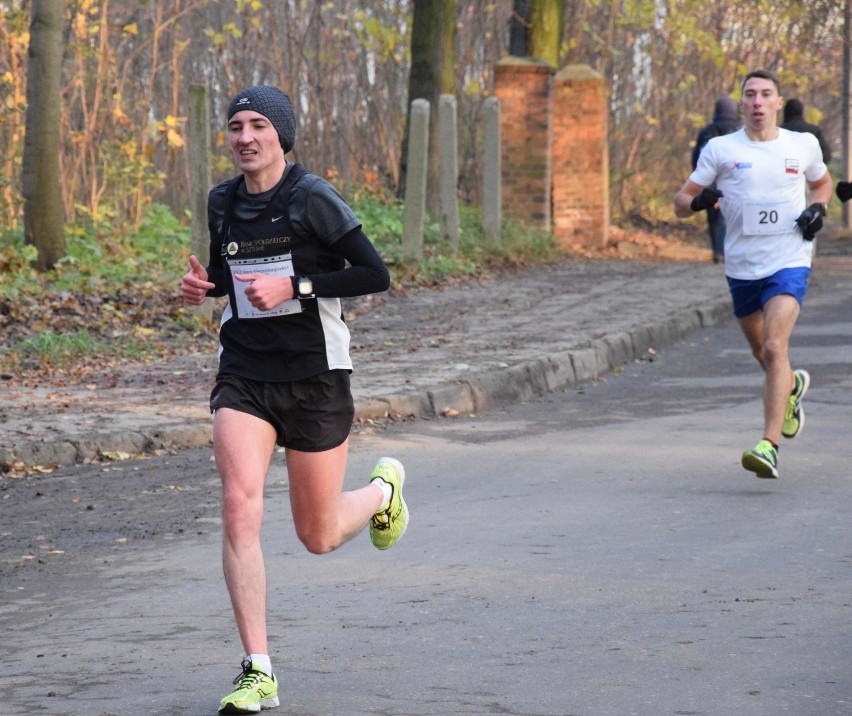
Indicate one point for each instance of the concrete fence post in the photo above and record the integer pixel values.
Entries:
(448, 169)
(414, 211)
(492, 205)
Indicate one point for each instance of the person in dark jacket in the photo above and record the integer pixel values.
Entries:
(725, 120)
(794, 120)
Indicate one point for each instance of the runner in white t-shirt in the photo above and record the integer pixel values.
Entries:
(765, 178)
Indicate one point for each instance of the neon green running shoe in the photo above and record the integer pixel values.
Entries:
(763, 460)
(794, 418)
(387, 526)
(255, 691)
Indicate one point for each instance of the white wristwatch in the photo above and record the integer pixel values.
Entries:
(305, 287)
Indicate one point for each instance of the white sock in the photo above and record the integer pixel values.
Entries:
(261, 662)
(387, 491)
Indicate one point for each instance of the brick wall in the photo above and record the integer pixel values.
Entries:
(524, 88)
(555, 157)
(580, 157)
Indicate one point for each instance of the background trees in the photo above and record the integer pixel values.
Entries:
(127, 66)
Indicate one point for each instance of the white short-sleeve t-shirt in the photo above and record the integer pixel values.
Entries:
(764, 186)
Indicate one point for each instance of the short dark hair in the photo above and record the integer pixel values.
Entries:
(764, 75)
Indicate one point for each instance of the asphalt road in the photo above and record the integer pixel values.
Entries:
(598, 552)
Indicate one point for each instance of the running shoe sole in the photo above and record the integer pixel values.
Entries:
(755, 463)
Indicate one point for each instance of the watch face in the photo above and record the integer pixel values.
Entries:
(306, 287)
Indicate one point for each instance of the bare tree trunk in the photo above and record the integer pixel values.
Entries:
(15, 44)
(43, 214)
(139, 200)
(536, 29)
(427, 68)
(519, 28)
(448, 49)
(547, 19)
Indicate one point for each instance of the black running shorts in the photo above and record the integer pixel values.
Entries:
(311, 415)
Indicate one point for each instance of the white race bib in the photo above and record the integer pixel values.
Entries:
(762, 217)
(277, 266)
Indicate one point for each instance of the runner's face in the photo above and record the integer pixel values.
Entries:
(760, 103)
(254, 142)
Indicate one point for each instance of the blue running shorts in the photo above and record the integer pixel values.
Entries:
(751, 296)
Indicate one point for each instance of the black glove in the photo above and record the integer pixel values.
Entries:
(810, 221)
(844, 190)
(706, 199)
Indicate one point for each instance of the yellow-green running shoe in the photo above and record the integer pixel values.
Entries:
(794, 418)
(255, 691)
(387, 526)
(763, 460)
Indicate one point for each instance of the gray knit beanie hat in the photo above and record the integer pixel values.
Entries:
(273, 104)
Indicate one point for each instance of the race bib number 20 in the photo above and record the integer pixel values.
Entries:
(767, 217)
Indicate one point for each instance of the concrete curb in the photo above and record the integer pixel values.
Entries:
(527, 380)
(97, 446)
(475, 393)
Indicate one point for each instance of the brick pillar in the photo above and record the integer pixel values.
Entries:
(580, 157)
(524, 88)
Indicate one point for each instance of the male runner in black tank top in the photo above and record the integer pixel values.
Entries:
(280, 240)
